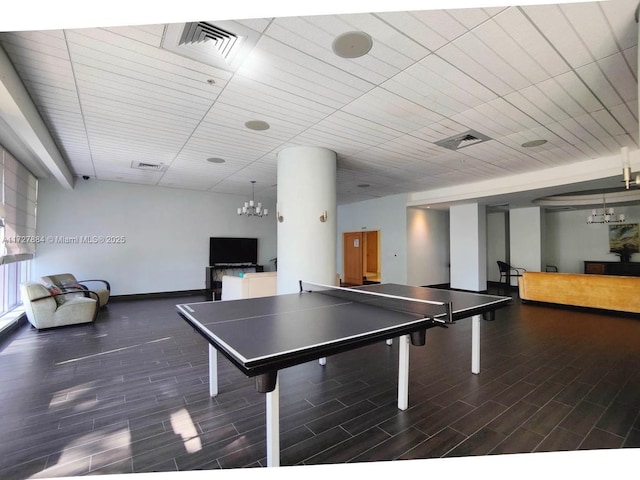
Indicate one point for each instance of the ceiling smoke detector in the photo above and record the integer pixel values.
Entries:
(461, 140)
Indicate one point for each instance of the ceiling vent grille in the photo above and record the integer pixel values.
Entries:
(200, 32)
(468, 138)
(154, 167)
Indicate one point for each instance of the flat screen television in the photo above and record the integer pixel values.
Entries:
(231, 250)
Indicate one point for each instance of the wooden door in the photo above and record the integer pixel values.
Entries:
(352, 258)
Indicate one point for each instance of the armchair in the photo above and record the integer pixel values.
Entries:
(68, 283)
(49, 308)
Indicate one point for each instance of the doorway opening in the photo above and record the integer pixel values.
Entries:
(361, 258)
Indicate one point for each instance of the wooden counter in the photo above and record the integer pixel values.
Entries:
(608, 292)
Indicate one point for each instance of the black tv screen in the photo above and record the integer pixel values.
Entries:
(230, 250)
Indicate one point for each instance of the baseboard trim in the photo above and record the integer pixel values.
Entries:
(147, 296)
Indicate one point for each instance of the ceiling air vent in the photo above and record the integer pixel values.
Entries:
(200, 32)
(153, 167)
(470, 137)
(222, 43)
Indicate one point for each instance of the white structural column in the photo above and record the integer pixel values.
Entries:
(306, 215)
(468, 244)
(306, 190)
(468, 247)
(526, 233)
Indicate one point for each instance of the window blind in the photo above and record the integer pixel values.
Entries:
(19, 195)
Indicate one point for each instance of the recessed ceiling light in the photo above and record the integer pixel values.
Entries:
(256, 125)
(534, 143)
(216, 160)
(364, 185)
(352, 44)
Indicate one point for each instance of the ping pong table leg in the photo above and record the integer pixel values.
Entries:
(403, 372)
(475, 344)
(273, 427)
(213, 371)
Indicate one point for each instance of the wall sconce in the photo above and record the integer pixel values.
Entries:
(323, 217)
(626, 169)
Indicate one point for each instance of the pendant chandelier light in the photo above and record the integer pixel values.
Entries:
(251, 208)
(606, 216)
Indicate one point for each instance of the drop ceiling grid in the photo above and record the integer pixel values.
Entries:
(104, 42)
(521, 66)
(295, 71)
(392, 111)
(520, 28)
(341, 145)
(416, 29)
(597, 83)
(442, 22)
(589, 131)
(394, 48)
(474, 69)
(132, 94)
(537, 104)
(230, 120)
(621, 73)
(311, 37)
(148, 34)
(592, 27)
(503, 78)
(273, 100)
(612, 125)
(129, 75)
(343, 124)
(618, 14)
(412, 145)
(428, 89)
(440, 130)
(625, 114)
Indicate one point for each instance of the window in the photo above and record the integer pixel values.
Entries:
(11, 276)
(17, 232)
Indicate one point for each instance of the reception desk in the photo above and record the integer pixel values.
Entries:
(597, 267)
(605, 292)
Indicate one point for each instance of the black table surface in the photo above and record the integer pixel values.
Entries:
(265, 334)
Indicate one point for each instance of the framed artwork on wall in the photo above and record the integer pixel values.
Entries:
(624, 240)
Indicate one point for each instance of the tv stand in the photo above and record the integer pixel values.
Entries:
(214, 274)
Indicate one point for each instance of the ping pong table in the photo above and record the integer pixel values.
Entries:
(263, 335)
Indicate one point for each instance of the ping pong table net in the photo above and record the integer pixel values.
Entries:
(437, 311)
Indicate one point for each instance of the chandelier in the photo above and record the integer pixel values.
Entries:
(606, 216)
(251, 208)
(626, 169)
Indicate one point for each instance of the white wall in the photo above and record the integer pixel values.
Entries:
(570, 240)
(166, 233)
(427, 246)
(388, 215)
(496, 243)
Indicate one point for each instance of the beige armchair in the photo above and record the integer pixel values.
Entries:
(68, 283)
(46, 308)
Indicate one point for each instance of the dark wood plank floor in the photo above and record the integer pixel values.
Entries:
(129, 394)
